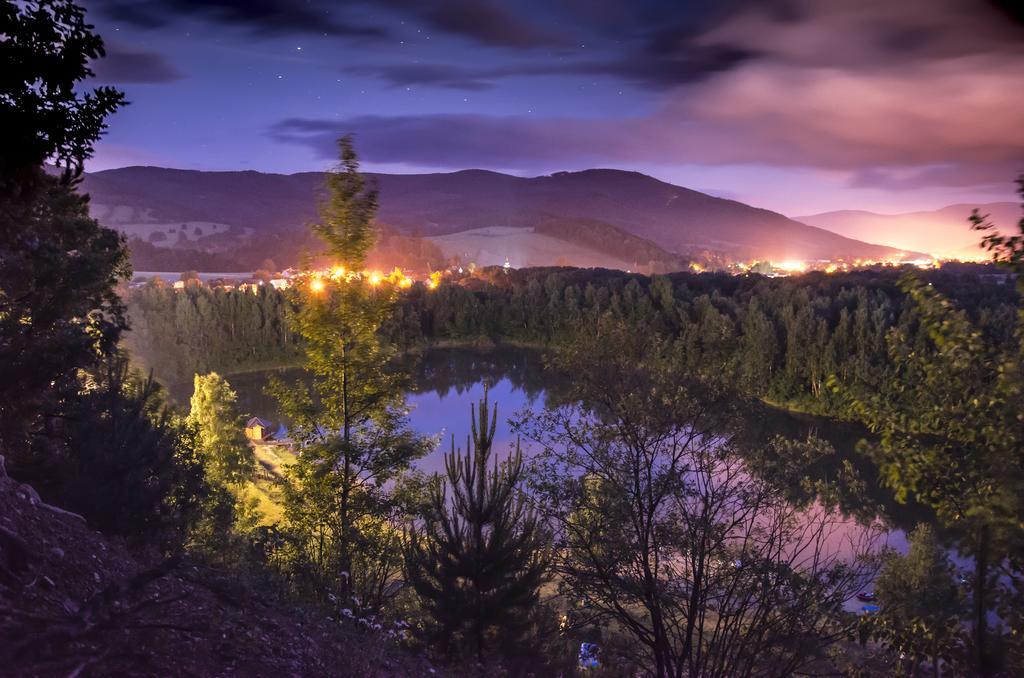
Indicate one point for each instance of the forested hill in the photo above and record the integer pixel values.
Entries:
(263, 215)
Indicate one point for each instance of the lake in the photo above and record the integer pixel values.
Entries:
(446, 382)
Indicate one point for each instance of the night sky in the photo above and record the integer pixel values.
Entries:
(798, 106)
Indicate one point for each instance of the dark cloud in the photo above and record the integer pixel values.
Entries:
(483, 21)
(132, 66)
(457, 141)
(765, 115)
(265, 16)
(433, 75)
(655, 73)
(668, 69)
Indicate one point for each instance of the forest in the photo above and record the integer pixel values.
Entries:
(779, 339)
(646, 533)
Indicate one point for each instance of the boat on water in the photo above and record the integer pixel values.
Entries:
(867, 596)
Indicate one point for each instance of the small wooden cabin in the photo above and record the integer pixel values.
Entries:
(257, 429)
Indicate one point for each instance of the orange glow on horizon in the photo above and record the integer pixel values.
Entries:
(791, 266)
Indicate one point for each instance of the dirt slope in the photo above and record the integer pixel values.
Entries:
(73, 603)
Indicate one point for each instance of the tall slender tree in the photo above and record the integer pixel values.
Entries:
(346, 217)
(350, 416)
(478, 560)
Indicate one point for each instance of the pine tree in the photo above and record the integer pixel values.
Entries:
(478, 560)
(346, 218)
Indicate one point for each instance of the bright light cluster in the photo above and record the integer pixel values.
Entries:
(318, 279)
(792, 266)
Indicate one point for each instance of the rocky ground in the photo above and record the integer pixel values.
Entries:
(74, 603)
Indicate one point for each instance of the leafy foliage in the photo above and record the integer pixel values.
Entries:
(129, 466)
(46, 49)
(947, 410)
(346, 218)
(670, 553)
(921, 605)
(58, 268)
(220, 440)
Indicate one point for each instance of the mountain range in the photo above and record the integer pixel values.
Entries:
(943, 233)
(596, 217)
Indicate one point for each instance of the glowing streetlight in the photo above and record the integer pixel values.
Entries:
(316, 285)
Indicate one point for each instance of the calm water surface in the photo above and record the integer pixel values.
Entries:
(446, 382)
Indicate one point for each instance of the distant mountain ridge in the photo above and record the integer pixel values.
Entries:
(249, 211)
(943, 232)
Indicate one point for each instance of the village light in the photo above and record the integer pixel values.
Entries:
(793, 266)
(316, 285)
(375, 278)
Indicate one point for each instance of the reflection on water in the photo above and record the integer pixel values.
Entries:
(446, 382)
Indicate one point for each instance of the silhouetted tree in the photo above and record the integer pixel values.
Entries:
(131, 468)
(478, 560)
(666, 544)
(58, 268)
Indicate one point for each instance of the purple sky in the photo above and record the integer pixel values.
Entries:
(800, 106)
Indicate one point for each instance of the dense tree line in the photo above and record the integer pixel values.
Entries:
(780, 339)
(201, 329)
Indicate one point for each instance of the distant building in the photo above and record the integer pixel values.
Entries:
(257, 429)
(279, 283)
(179, 284)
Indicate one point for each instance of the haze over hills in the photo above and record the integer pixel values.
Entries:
(605, 217)
(942, 233)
